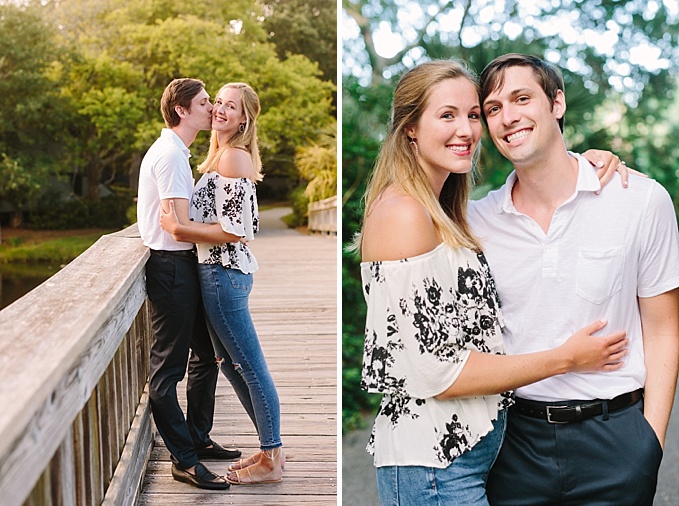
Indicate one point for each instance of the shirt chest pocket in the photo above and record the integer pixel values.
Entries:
(599, 274)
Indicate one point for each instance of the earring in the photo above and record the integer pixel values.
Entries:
(241, 127)
(413, 143)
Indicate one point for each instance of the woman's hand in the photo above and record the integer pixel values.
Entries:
(607, 164)
(169, 220)
(589, 353)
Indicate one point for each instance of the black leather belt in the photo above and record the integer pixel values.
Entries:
(574, 411)
(175, 253)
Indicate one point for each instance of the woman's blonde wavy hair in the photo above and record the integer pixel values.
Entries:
(247, 139)
(397, 165)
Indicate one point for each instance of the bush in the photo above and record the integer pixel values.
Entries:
(131, 215)
(109, 212)
(356, 402)
(300, 208)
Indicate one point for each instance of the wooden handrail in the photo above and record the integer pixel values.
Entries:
(75, 426)
(323, 215)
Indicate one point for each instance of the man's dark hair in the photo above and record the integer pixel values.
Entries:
(547, 75)
(180, 92)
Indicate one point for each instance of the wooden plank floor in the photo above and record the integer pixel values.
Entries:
(294, 307)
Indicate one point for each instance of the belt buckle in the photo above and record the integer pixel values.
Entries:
(549, 414)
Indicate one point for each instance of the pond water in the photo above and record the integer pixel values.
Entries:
(16, 280)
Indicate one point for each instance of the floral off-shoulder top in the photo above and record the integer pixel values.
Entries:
(425, 315)
(231, 202)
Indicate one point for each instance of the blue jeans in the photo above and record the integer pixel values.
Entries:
(225, 295)
(461, 483)
(231, 373)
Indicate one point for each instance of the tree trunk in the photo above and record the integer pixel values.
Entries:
(93, 172)
(133, 174)
(16, 220)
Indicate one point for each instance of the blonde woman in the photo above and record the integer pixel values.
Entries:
(433, 343)
(226, 196)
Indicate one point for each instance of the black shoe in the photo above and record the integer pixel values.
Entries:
(217, 452)
(204, 478)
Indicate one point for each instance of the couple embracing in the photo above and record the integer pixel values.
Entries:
(199, 277)
(469, 301)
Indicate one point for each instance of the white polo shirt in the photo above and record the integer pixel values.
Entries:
(601, 252)
(165, 173)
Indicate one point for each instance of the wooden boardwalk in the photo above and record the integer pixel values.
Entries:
(294, 307)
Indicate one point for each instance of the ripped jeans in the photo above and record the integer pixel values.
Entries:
(225, 296)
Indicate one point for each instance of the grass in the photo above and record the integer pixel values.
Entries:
(27, 249)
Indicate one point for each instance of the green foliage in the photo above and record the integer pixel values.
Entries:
(31, 119)
(131, 215)
(81, 80)
(217, 42)
(355, 401)
(300, 208)
(365, 112)
(109, 212)
(113, 112)
(317, 163)
(307, 27)
(296, 109)
(19, 184)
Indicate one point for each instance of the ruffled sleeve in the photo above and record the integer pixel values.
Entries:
(234, 203)
(416, 343)
(231, 202)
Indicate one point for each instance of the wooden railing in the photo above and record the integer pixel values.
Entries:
(323, 216)
(75, 425)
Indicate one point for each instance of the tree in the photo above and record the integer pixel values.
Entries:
(19, 185)
(129, 51)
(31, 111)
(628, 32)
(307, 27)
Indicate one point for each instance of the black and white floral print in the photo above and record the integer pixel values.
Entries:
(231, 202)
(202, 197)
(455, 440)
(425, 315)
(232, 208)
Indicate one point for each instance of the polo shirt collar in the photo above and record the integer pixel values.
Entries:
(587, 182)
(505, 203)
(587, 178)
(172, 137)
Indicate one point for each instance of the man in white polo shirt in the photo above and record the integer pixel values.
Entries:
(563, 257)
(173, 288)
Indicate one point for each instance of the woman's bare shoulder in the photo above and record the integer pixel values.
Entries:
(235, 163)
(397, 226)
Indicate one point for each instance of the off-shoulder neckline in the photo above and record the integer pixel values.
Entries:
(416, 258)
(232, 178)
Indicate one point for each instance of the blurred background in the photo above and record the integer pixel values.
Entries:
(620, 60)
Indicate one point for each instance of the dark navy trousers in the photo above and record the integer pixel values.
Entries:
(178, 324)
(611, 459)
